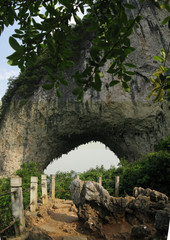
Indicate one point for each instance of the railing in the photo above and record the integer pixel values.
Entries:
(17, 201)
(16, 193)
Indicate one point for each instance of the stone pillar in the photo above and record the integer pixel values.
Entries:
(17, 204)
(44, 189)
(77, 177)
(52, 186)
(33, 194)
(100, 180)
(117, 186)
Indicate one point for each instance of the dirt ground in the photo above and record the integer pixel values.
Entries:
(59, 219)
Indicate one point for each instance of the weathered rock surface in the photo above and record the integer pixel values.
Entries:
(37, 234)
(46, 127)
(137, 217)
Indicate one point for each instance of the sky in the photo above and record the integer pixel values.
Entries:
(85, 156)
(6, 71)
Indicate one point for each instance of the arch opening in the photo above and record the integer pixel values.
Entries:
(83, 158)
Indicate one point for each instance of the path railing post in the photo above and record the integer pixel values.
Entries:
(33, 194)
(117, 186)
(100, 180)
(44, 189)
(52, 186)
(17, 204)
(77, 177)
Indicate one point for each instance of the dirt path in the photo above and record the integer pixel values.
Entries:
(59, 219)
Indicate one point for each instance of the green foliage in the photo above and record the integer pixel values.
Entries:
(152, 171)
(23, 86)
(62, 184)
(5, 205)
(25, 172)
(163, 145)
(161, 78)
(108, 23)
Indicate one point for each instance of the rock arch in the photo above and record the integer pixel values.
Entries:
(46, 127)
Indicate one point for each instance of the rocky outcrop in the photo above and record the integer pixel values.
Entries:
(137, 217)
(45, 127)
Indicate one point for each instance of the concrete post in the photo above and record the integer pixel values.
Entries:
(117, 186)
(52, 186)
(33, 194)
(77, 177)
(17, 204)
(100, 180)
(44, 189)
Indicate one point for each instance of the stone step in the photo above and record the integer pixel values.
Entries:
(74, 238)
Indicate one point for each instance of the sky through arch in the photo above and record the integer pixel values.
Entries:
(83, 158)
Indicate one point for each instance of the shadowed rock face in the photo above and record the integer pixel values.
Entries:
(47, 127)
(144, 216)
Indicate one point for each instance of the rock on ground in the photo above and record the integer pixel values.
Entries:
(142, 216)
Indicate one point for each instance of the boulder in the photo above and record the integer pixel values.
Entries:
(100, 211)
(162, 218)
(155, 196)
(140, 232)
(37, 234)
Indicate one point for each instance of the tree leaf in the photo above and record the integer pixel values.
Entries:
(126, 86)
(77, 91)
(113, 83)
(14, 44)
(77, 19)
(58, 93)
(130, 65)
(130, 6)
(158, 59)
(47, 86)
(166, 20)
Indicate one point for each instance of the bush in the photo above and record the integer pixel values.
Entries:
(5, 205)
(62, 184)
(153, 171)
(27, 170)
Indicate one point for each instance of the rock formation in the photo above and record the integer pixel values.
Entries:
(144, 216)
(46, 127)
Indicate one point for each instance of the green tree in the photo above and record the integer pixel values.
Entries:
(62, 184)
(25, 172)
(152, 171)
(107, 19)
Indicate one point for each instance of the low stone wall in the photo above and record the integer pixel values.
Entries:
(145, 215)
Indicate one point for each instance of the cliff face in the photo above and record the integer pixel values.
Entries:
(45, 127)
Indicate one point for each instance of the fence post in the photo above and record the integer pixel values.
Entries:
(33, 194)
(44, 189)
(117, 186)
(77, 177)
(100, 180)
(52, 186)
(17, 204)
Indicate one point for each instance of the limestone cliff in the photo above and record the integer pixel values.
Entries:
(46, 127)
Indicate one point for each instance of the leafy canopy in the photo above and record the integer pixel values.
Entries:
(44, 27)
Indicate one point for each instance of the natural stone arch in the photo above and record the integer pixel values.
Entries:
(46, 127)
